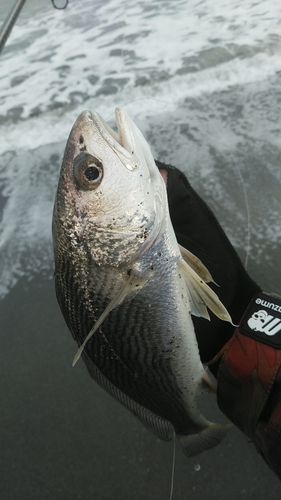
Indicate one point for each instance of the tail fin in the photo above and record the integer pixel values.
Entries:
(208, 438)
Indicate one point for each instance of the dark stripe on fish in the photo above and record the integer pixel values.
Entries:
(128, 351)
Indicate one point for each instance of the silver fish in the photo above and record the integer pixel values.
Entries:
(125, 287)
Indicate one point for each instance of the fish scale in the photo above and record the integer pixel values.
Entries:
(126, 290)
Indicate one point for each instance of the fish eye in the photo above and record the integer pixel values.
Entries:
(92, 173)
(88, 171)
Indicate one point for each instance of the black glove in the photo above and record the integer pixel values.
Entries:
(249, 373)
(198, 230)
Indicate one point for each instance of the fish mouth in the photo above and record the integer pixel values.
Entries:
(128, 144)
(123, 142)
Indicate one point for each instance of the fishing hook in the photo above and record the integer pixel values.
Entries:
(60, 8)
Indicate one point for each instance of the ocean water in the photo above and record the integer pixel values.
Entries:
(202, 81)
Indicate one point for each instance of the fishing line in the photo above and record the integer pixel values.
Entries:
(173, 468)
(248, 238)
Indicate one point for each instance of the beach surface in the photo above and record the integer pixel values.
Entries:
(62, 437)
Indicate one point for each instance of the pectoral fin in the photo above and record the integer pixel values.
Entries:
(196, 264)
(133, 284)
(201, 295)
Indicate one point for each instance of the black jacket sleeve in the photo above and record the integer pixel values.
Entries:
(198, 230)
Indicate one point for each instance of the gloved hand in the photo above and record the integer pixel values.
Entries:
(249, 374)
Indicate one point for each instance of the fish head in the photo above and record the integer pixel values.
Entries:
(111, 198)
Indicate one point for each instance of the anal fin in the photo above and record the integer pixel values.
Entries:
(207, 383)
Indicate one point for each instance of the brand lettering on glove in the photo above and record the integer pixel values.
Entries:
(262, 320)
(270, 305)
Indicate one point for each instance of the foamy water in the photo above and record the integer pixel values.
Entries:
(200, 79)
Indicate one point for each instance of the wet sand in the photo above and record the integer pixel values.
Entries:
(63, 438)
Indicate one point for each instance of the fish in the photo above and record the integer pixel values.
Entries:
(125, 287)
